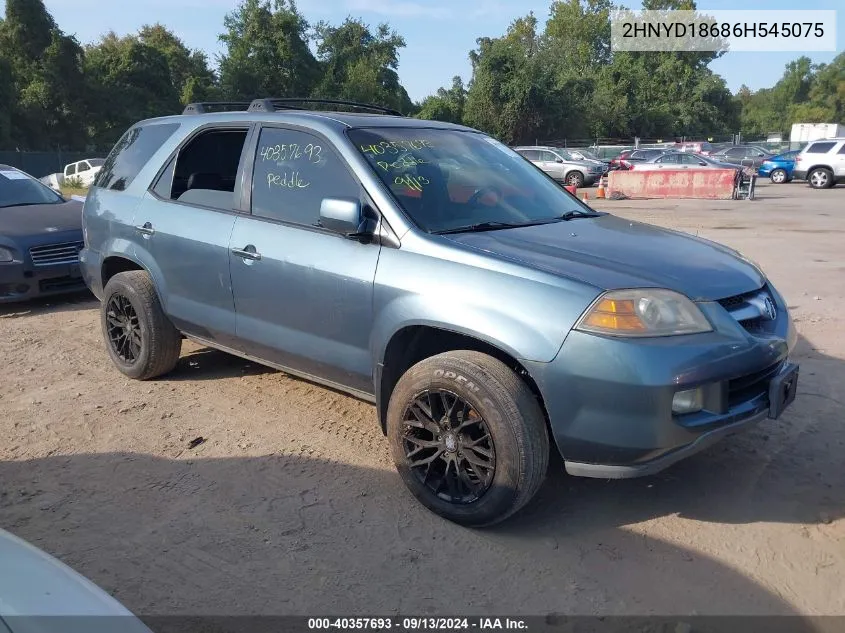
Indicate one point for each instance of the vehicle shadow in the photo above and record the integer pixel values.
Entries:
(299, 534)
(81, 300)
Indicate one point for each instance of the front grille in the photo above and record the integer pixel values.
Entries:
(738, 300)
(65, 253)
(750, 386)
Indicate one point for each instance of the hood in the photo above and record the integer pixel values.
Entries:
(41, 218)
(613, 253)
(34, 583)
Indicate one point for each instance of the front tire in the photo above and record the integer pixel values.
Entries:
(778, 176)
(575, 179)
(820, 178)
(140, 339)
(468, 437)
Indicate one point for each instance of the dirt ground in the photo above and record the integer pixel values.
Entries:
(291, 505)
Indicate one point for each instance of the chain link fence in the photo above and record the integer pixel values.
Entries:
(40, 164)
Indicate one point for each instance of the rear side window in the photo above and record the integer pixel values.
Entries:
(820, 148)
(842, 149)
(293, 172)
(131, 153)
(530, 154)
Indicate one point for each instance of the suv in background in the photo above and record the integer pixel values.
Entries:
(577, 173)
(429, 269)
(821, 163)
(85, 171)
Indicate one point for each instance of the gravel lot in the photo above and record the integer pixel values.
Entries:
(291, 505)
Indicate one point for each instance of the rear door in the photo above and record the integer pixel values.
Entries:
(552, 165)
(839, 162)
(303, 295)
(183, 226)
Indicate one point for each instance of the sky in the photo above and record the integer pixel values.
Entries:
(439, 33)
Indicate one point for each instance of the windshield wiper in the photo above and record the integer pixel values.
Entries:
(572, 215)
(491, 226)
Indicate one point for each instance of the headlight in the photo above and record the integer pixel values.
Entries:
(6, 255)
(643, 312)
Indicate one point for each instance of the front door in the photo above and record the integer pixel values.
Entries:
(303, 295)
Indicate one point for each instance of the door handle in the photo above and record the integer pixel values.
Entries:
(245, 254)
(145, 229)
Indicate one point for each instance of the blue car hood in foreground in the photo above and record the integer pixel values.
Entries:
(612, 253)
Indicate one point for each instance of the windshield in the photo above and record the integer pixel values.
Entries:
(20, 189)
(448, 179)
(96, 162)
(587, 154)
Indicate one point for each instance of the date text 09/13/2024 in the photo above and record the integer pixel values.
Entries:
(417, 624)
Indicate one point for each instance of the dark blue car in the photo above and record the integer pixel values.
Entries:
(779, 168)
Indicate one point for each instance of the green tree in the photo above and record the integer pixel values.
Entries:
(44, 64)
(446, 105)
(128, 80)
(360, 65)
(190, 74)
(513, 93)
(267, 53)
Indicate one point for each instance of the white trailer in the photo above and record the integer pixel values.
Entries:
(805, 132)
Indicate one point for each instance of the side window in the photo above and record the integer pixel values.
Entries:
(548, 157)
(205, 170)
(70, 170)
(131, 153)
(83, 166)
(735, 152)
(294, 171)
(531, 154)
(841, 149)
(820, 148)
(689, 159)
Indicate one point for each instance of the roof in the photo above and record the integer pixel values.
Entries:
(340, 120)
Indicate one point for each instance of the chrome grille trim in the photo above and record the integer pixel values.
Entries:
(51, 254)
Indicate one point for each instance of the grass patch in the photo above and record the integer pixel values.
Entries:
(67, 192)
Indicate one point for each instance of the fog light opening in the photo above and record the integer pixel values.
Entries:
(688, 401)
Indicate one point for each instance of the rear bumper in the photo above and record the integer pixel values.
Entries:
(23, 281)
(609, 400)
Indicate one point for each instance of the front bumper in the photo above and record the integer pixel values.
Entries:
(22, 281)
(609, 400)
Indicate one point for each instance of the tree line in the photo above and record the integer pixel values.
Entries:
(554, 80)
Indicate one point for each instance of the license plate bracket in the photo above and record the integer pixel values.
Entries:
(782, 390)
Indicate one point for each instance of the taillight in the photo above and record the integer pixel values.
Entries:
(630, 166)
(797, 159)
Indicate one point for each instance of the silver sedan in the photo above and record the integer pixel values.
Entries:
(679, 160)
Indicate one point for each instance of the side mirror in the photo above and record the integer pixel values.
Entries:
(344, 216)
(558, 160)
(702, 163)
(760, 154)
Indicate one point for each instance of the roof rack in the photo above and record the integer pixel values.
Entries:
(202, 107)
(273, 105)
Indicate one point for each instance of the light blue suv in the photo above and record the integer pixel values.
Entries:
(428, 268)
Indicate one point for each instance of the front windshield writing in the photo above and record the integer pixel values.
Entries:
(445, 179)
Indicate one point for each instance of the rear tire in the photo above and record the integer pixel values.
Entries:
(778, 176)
(140, 339)
(439, 415)
(820, 178)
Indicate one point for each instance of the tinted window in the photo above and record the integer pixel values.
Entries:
(842, 149)
(449, 179)
(530, 154)
(17, 188)
(96, 162)
(83, 166)
(294, 171)
(70, 170)
(735, 152)
(131, 153)
(820, 148)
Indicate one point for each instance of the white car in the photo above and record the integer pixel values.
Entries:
(40, 594)
(84, 170)
(822, 163)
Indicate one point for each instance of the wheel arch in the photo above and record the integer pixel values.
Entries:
(414, 343)
(122, 261)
